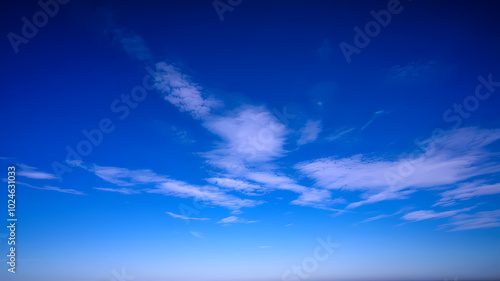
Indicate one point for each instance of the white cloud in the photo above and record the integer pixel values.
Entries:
(311, 197)
(317, 198)
(234, 219)
(170, 187)
(238, 185)
(249, 134)
(209, 194)
(274, 181)
(430, 214)
(466, 191)
(185, 217)
(456, 156)
(251, 137)
(309, 132)
(478, 220)
(383, 216)
(178, 89)
(54, 188)
(388, 194)
(122, 190)
(32, 173)
(126, 177)
(37, 175)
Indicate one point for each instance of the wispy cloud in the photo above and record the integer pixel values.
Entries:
(430, 214)
(309, 132)
(250, 134)
(276, 181)
(456, 156)
(252, 183)
(339, 133)
(479, 220)
(317, 198)
(257, 183)
(178, 89)
(32, 173)
(466, 191)
(36, 175)
(250, 138)
(383, 216)
(310, 197)
(209, 194)
(237, 185)
(234, 219)
(122, 190)
(161, 184)
(375, 115)
(185, 217)
(54, 188)
(126, 177)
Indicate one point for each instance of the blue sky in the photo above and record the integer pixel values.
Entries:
(242, 140)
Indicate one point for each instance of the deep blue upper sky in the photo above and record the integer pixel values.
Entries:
(158, 140)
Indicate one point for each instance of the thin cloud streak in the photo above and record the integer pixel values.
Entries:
(185, 217)
(234, 219)
(54, 188)
(430, 214)
(122, 190)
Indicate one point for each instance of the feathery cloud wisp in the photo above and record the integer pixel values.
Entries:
(467, 191)
(234, 219)
(479, 220)
(178, 89)
(32, 173)
(185, 217)
(430, 214)
(122, 190)
(53, 188)
(309, 132)
(164, 185)
(456, 156)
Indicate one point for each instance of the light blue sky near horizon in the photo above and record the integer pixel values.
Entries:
(205, 179)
